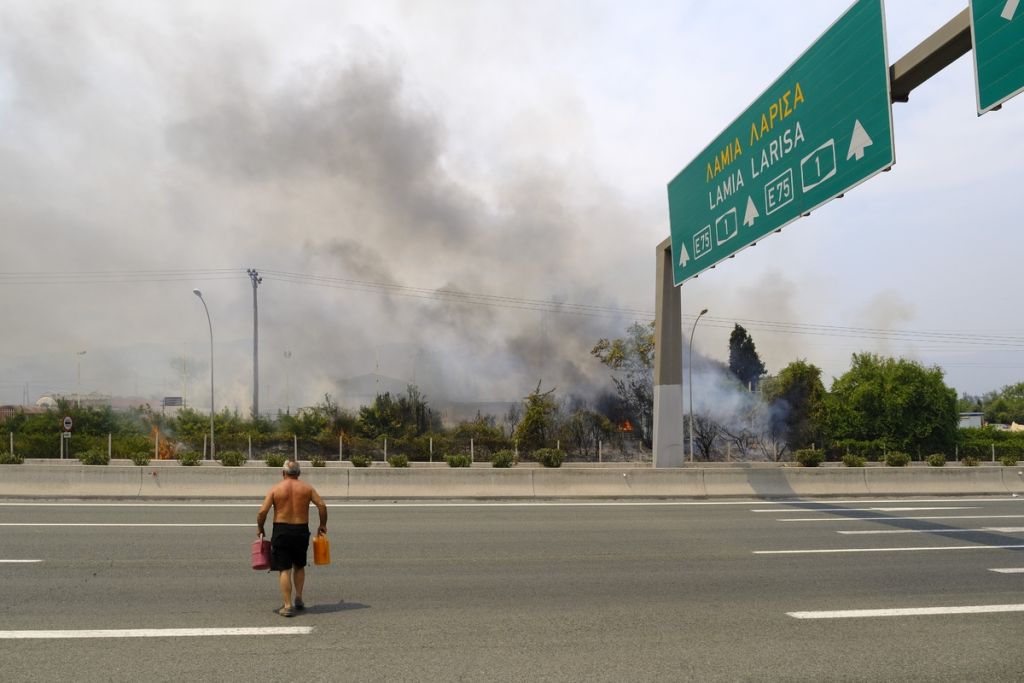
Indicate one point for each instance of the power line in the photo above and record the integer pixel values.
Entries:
(942, 339)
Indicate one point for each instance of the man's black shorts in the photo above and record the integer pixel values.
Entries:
(288, 546)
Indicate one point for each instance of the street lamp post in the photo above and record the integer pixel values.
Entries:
(287, 384)
(199, 294)
(78, 392)
(690, 379)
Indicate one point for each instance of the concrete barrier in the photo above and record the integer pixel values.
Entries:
(935, 480)
(440, 483)
(64, 479)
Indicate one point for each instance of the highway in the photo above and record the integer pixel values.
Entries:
(855, 590)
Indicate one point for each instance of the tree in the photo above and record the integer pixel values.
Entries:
(584, 429)
(898, 401)
(632, 360)
(744, 362)
(706, 433)
(538, 421)
(797, 396)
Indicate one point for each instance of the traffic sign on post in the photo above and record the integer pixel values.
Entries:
(997, 32)
(67, 424)
(824, 126)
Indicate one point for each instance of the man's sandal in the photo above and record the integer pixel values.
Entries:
(286, 612)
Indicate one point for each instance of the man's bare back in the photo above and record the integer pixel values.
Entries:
(290, 499)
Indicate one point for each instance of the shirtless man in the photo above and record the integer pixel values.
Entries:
(290, 499)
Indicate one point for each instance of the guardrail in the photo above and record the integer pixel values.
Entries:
(129, 481)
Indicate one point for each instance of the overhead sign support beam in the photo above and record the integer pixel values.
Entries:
(939, 50)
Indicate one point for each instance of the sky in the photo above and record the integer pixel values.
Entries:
(463, 195)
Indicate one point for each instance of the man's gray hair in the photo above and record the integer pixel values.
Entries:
(291, 468)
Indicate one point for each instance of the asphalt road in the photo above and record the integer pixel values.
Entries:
(524, 592)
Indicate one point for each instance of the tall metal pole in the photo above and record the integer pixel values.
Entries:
(689, 380)
(256, 280)
(78, 392)
(287, 384)
(213, 450)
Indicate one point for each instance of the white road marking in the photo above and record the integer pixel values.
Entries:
(525, 503)
(919, 509)
(906, 612)
(900, 509)
(824, 551)
(113, 524)
(18, 561)
(890, 519)
(1009, 570)
(159, 632)
(999, 529)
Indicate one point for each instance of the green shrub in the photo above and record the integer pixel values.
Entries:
(852, 460)
(317, 461)
(1008, 460)
(11, 459)
(361, 460)
(398, 461)
(897, 459)
(140, 458)
(232, 458)
(94, 456)
(504, 458)
(190, 458)
(549, 457)
(458, 460)
(275, 459)
(969, 461)
(937, 460)
(809, 457)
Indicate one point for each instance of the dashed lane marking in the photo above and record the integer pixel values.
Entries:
(158, 633)
(906, 612)
(890, 519)
(878, 509)
(1009, 570)
(997, 529)
(116, 524)
(825, 551)
(18, 561)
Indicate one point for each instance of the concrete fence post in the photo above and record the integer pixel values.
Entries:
(599, 451)
(156, 446)
(295, 447)
(250, 447)
(110, 446)
(993, 451)
(385, 449)
(431, 449)
(204, 446)
(341, 447)
(471, 450)
(12, 444)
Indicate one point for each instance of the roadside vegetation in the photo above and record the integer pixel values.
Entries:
(882, 410)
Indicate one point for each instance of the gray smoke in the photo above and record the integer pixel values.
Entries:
(175, 148)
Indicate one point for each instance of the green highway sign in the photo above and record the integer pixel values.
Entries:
(997, 32)
(824, 126)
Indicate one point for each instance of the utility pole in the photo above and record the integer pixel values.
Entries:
(256, 280)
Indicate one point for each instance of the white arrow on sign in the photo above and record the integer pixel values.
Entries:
(684, 257)
(1010, 9)
(858, 141)
(751, 214)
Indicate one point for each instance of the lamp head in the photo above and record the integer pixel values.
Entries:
(703, 311)
(197, 293)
